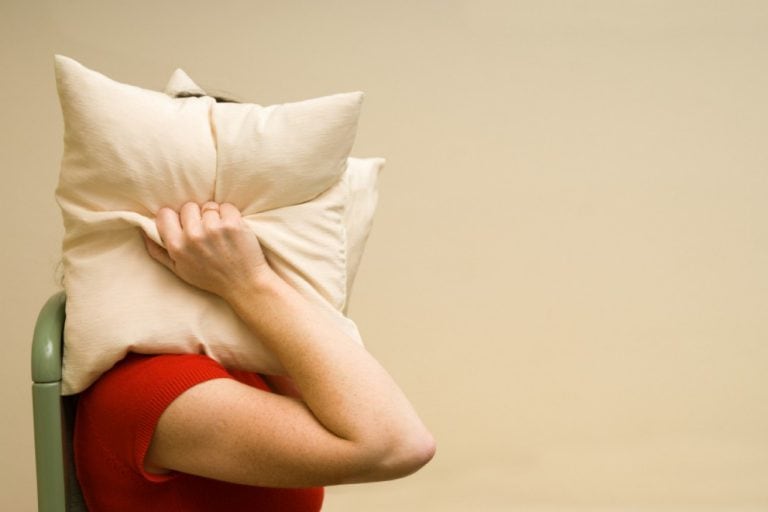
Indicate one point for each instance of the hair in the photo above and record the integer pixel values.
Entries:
(219, 99)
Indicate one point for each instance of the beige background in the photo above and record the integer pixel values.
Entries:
(568, 270)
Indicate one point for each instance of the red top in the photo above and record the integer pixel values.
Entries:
(116, 417)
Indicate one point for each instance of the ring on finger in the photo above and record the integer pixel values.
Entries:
(209, 207)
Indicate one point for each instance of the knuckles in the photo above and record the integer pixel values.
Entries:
(197, 237)
(224, 227)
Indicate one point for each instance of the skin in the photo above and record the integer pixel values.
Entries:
(339, 418)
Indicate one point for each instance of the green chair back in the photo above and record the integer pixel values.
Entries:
(54, 414)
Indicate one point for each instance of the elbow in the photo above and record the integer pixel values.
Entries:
(406, 455)
(420, 451)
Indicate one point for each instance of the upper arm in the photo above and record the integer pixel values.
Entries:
(230, 431)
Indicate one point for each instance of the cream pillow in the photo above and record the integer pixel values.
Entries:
(129, 151)
(362, 181)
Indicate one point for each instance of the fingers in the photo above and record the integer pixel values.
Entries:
(230, 215)
(157, 252)
(210, 213)
(191, 222)
(169, 227)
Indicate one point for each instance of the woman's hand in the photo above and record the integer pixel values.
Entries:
(214, 250)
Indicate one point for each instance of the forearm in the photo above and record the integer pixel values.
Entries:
(353, 424)
(345, 387)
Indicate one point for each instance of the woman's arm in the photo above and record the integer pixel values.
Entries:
(353, 425)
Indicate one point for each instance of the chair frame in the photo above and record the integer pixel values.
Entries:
(53, 413)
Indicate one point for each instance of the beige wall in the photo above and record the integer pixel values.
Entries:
(568, 273)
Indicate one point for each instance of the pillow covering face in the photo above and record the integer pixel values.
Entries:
(129, 151)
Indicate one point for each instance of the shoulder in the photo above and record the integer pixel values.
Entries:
(123, 407)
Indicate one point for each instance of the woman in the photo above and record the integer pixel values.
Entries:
(179, 432)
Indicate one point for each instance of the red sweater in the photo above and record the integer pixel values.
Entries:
(116, 417)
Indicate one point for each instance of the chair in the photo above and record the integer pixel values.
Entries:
(54, 415)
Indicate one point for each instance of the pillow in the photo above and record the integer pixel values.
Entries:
(363, 189)
(128, 151)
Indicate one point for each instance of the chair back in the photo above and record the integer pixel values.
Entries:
(54, 414)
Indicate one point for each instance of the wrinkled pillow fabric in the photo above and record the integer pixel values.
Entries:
(363, 175)
(363, 189)
(129, 151)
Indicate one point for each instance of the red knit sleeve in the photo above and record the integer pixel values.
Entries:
(116, 418)
(125, 404)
